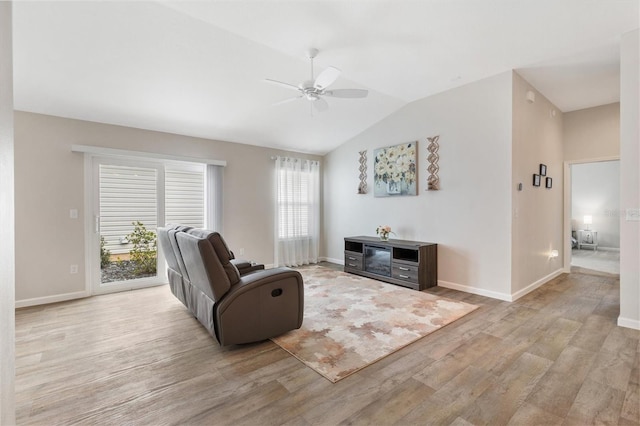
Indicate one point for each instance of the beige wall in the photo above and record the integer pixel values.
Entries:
(592, 133)
(469, 217)
(7, 311)
(537, 211)
(49, 182)
(629, 179)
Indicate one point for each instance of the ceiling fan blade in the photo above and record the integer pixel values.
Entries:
(347, 93)
(284, 101)
(283, 84)
(320, 104)
(326, 77)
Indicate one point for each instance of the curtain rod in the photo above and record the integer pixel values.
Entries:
(274, 157)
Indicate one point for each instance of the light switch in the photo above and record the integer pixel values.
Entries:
(73, 213)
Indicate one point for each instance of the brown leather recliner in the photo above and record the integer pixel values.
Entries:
(176, 270)
(235, 308)
(175, 266)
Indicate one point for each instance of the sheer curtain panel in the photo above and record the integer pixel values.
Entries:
(213, 188)
(297, 227)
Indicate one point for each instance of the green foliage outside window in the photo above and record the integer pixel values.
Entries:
(105, 254)
(145, 249)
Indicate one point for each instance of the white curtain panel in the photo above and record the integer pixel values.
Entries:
(297, 227)
(213, 198)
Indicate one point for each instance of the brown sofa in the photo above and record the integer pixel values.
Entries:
(235, 308)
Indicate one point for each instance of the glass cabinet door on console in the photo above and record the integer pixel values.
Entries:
(377, 260)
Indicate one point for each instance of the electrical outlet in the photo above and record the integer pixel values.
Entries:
(73, 213)
(241, 252)
(73, 269)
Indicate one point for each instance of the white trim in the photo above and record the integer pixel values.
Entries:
(135, 284)
(501, 296)
(51, 299)
(629, 323)
(98, 150)
(475, 290)
(528, 289)
(331, 260)
(89, 223)
(601, 248)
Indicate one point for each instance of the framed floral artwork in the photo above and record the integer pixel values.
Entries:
(395, 171)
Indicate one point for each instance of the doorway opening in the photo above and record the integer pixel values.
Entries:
(594, 216)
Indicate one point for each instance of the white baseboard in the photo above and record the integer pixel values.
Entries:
(51, 299)
(331, 260)
(497, 295)
(629, 323)
(609, 248)
(475, 290)
(528, 289)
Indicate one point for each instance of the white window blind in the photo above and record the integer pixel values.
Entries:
(293, 202)
(184, 195)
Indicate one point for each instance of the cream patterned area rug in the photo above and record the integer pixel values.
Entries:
(352, 321)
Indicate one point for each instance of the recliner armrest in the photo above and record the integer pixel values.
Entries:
(272, 300)
(244, 266)
(259, 278)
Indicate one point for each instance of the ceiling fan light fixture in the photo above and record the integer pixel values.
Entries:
(314, 89)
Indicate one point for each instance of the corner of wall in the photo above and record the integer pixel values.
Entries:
(629, 179)
(537, 211)
(7, 218)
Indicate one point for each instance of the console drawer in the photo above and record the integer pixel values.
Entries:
(353, 261)
(404, 272)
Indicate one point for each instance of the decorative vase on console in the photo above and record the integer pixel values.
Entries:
(383, 232)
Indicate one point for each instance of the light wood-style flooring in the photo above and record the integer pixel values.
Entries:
(555, 356)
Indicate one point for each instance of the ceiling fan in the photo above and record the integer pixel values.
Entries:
(315, 89)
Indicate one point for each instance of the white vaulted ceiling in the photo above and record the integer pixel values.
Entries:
(197, 68)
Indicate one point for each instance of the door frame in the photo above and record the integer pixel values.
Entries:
(566, 229)
(92, 240)
(214, 180)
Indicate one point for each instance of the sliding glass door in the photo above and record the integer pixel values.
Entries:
(128, 206)
(130, 199)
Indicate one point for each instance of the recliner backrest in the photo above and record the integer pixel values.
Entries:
(173, 259)
(167, 250)
(222, 251)
(176, 249)
(205, 269)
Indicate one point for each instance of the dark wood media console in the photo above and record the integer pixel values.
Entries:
(412, 264)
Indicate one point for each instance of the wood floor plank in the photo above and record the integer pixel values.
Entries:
(556, 356)
(631, 404)
(501, 400)
(398, 402)
(596, 404)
